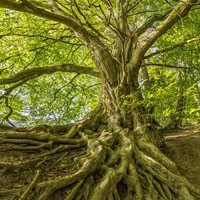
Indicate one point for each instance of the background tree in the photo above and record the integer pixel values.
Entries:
(108, 40)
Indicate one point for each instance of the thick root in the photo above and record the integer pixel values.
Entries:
(115, 165)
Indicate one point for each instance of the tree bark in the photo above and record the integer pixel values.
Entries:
(121, 145)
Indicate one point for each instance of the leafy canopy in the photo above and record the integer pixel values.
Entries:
(28, 41)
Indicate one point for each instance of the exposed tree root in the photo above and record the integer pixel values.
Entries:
(25, 194)
(115, 165)
(74, 191)
(89, 166)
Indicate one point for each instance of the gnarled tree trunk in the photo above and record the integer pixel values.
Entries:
(121, 157)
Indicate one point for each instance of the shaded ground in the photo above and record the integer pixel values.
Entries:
(14, 181)
(182, 146)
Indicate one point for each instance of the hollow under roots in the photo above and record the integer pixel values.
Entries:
(115, 165)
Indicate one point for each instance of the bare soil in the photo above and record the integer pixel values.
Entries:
(182, 146)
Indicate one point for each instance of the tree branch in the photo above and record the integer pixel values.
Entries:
(39, 71)
(164, 65)
(87, 22)
(66, 19)
(149, 22)
(172, 47)
(10, 112)
(58, 90)
(41, 5)
(93, 43)
(178, 12)
(10, 89)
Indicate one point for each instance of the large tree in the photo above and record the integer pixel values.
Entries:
(122, 158)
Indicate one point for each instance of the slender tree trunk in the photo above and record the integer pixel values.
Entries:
(178, 116)
(145, 78)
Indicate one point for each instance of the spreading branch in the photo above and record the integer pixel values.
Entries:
(178, 13)
(39, 71)
(10, 89)
(149, 22)
(172, 47)
(27, 7)
(164, 65)
(92, 41)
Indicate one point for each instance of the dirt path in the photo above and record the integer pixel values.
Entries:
(183, 147)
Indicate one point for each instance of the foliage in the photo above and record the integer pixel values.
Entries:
(140, 58)
(68, 97)
(55, 99)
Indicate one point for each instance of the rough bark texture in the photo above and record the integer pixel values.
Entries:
(121, 157)
(117, 162)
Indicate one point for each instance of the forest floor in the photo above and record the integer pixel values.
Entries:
(182, 146)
